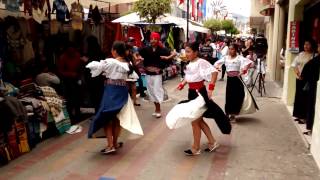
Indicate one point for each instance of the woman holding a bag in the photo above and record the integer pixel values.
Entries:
(198, 71)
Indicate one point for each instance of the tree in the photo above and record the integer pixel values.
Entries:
(227, 25)
(213, 24)
(234, 31)
(152, 9)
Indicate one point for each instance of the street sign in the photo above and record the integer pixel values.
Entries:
(294, 36)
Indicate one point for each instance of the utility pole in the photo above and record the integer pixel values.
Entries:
(188, 20)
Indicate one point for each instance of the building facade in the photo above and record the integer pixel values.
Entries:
(290, 23)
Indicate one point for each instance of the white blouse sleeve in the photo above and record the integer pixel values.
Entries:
(245, 62)
(220, 62)
(206, 70)
(95, 68)
(294, 63)
(106, 67)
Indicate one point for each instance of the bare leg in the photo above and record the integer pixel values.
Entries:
(196, 134)
(134, 92)
(116, 132)
(206, 129)
(158, 107)
(108, 132)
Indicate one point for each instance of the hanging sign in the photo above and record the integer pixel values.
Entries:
(294, 36)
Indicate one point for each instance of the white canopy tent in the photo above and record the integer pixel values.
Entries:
(134, 18)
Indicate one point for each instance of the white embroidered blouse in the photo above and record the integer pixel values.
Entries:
(110, 68)
(301, 60)
(236, 64)
(199, 70)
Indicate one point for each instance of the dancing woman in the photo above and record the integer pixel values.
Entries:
(115, 103)
(198, 71)
(236, 90)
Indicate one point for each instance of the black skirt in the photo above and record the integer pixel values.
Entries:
(213, 111)
(311, 103)
(300, 101)
(234, 95)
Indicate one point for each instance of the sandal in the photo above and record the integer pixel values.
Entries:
(212, 147)
(108, 150)
(189, 152)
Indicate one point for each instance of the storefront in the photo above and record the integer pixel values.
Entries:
(312, 30)
(303, 18)
(34, 41)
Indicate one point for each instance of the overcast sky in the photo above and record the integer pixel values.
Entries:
(239, 6)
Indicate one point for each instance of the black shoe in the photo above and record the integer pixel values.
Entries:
(307, 133)
(120, 144)
(190, 153)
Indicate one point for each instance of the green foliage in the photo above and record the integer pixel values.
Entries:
(234, 31)
(213, 24)
(227, 25)
(152, 9)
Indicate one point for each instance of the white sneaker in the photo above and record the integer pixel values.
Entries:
(157, 115)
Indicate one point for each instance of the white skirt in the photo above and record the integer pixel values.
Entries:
(155, 89)
(184, 113)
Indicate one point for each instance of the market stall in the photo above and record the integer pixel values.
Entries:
(34, 40)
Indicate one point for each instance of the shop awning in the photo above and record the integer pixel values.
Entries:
(134, 18)
(267, 10)
(99, 3)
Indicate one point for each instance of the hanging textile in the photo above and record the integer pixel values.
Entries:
(77, 15)
(136, 34)
(170, 39)
(13, 5)
(62, 10)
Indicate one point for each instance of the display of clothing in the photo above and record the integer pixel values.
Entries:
(28, 52)
(62, 10)
(47, 79)
(13, 5)
(135, 32)
(77, 14)
(96, 16)
(40, 14)
(15, 44)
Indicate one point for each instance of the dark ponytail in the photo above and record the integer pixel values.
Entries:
(194, 46)
(120, 48)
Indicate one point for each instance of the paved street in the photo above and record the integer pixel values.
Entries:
(263, 146)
